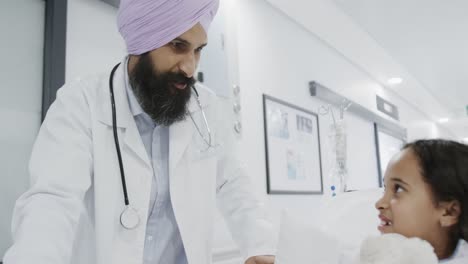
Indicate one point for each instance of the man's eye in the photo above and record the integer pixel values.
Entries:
(177, 45)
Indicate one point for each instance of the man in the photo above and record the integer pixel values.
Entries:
(157, 205)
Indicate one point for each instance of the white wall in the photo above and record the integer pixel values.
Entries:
(279, 57)
(21, 50)
(94, 44)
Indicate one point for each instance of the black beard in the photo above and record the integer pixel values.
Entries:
(155, 92)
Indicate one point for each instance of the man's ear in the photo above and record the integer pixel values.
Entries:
(450, 213)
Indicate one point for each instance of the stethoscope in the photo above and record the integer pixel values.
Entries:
(129, 218)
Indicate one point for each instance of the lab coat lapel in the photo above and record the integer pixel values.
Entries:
(134, 142)
(132, 139)
(180, 135)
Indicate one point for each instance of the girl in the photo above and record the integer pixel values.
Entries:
(426, 196)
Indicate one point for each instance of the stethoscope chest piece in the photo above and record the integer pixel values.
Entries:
(129, 218)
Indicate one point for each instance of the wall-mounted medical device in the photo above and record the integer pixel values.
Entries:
(236, 107)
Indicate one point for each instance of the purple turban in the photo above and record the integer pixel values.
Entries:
(146, 25)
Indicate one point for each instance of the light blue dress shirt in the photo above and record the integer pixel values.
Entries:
(163, 244)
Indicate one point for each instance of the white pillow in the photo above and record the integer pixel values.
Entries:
(396, 249)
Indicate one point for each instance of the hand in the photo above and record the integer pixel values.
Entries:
(261, 260)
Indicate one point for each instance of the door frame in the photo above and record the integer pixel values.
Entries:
(55, 42)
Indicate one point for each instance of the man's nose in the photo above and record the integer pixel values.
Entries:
(188, 65)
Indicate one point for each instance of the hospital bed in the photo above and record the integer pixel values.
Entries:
(336, 232)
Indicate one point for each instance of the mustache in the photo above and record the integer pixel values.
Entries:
(178, 77)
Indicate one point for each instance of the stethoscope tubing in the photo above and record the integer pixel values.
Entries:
(116, 137)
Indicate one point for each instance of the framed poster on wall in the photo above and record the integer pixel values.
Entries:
(292, 146)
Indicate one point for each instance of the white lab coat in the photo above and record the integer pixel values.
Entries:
(71, 213)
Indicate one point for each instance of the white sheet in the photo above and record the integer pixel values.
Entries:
(343, 222)
(301, 242)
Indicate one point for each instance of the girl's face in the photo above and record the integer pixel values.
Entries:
(407, 206)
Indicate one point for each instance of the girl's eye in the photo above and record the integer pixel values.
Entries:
(398, 188)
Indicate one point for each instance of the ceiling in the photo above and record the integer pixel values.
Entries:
(429, 39)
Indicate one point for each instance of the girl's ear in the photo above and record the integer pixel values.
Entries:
(450, 213)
